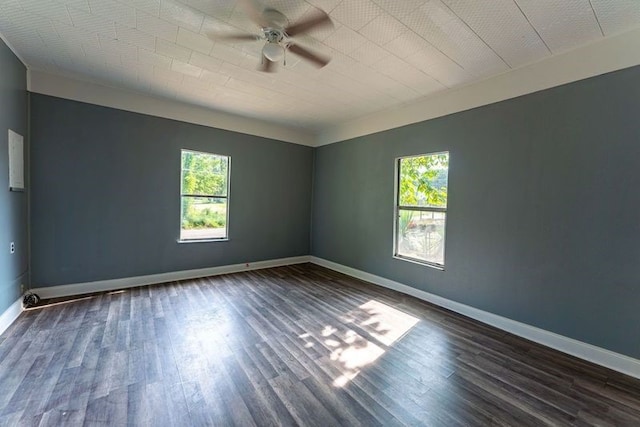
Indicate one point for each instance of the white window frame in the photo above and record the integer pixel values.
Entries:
(227, 197)
(398, 207)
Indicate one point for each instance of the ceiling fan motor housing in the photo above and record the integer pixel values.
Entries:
(273, 35)
(273, 50)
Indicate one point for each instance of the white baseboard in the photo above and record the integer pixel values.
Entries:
(10, 315)
(132, 282)
(600, 356)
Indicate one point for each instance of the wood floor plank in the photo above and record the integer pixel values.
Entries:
(108, 410)
(175, 410)
(334, 401)
(30, 391)
(256, 402)
(502, 411)
(543, 412)
(261, 385)
(287, 346)
(305, 408)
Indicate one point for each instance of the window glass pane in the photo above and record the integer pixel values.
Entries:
(423, 180)
(204, 174)
(203, 218)
(421, 235)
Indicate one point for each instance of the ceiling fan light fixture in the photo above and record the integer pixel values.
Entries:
(274, 52)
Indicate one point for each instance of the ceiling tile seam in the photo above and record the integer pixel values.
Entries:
(240, 80)
(533, 26)
(420, 36)
(309, 94)
(297, 87)
(397, 58)
(42, 40)
(55, 27)
(155, 17)
(204, 16)
(366, 23)
(66, 8)
(73, 24)
(119, 39)
(200, 34)
(595, 15)
(409, 87)
(405, 62)
(328, 12)
(410, 65)
(91, 11)
(191, 59)
(444, 2)
(356, 94)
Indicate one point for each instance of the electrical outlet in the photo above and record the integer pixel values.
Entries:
(22, 288)
(12, 247)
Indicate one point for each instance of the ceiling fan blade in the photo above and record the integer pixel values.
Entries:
(317, 59)
(267, 66)
(240, 37)
(317, 19)
(254, 11)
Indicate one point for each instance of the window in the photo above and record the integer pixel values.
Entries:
(421, 208)
(204, 196)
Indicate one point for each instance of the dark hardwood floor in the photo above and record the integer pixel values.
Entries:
(297, 345)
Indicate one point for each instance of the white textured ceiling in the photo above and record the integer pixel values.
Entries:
(386, 53)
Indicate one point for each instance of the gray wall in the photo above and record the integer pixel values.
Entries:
(13, 205)
(105, 194)
(544, 208)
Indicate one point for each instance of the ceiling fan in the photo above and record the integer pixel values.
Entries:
(277, 33)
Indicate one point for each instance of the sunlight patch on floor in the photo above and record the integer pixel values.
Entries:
(328, 330)
(383, 324)
(390, 324)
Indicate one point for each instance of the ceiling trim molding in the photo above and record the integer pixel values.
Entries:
(607, 55)
(92, 93)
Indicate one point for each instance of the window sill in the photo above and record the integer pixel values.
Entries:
(202, 240)
(419, 262)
